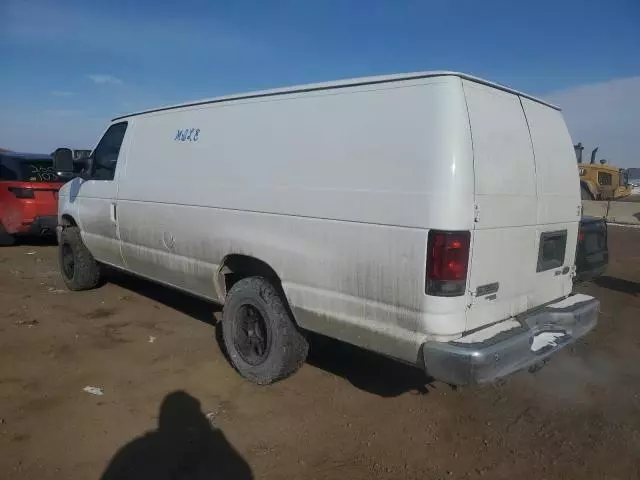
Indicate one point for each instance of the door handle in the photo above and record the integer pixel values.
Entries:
(112, 212)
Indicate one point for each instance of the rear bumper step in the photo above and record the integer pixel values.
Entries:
(529, 340)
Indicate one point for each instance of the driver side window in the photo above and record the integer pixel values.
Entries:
(105, 156)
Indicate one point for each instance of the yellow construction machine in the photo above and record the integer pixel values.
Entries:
(600, 181)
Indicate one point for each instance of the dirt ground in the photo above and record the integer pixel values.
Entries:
(173, 408)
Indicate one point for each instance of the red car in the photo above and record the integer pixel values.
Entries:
(28, 196)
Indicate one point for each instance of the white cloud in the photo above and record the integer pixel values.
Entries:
(61, 93)
(102, 79)
(604, 115)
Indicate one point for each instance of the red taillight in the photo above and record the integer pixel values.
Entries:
(447, 263)
(22, 192)
(580, 236)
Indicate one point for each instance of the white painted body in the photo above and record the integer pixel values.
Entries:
(335, 187)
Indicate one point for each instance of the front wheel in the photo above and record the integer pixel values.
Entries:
(79, 269)
(262, 341)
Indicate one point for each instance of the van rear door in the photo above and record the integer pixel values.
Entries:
(559, 202)
(503, 260)
(521, 240)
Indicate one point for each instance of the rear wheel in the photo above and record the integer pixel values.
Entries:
(585, 194)
(79, 269)
(6, 239)
(262, 341)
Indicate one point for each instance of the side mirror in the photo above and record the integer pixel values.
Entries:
(63, 163)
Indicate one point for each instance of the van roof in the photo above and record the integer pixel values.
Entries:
(352, 82)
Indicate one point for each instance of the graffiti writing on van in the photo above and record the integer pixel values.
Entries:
(187, 135)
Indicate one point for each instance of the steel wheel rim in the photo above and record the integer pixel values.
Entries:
(252, 338)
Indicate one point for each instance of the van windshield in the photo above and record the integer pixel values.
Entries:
(19, 169)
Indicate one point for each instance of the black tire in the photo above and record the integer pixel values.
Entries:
(585, 194)
(276, 348)
(78, 268)
(6, 240)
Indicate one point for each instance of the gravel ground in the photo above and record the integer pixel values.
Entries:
(172, 407)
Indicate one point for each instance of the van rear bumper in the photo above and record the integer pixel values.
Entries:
(525, 340)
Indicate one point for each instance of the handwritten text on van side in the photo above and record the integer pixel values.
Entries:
(187, 135)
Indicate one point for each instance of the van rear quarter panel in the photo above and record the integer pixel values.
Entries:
(335, 190)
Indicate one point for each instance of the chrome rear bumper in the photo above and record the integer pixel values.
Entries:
(533, 337)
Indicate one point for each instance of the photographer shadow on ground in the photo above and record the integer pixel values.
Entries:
(184, 447)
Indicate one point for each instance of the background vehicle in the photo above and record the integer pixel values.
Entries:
(78, 154)
(601, 181)
(634, 180)
(368, 210)
(592, 253)
(28, 196)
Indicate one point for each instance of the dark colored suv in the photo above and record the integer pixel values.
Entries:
(592, 253)
(28, 196)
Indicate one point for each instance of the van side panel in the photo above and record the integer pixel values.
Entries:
(326, 269)
(334, 190)
(370, 154)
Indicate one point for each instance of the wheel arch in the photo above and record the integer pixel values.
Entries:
(67, 220)
(235, 267)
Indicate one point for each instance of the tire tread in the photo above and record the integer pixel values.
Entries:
(289, 347)
(87, 272)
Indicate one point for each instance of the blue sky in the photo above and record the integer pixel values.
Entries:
(69, 66)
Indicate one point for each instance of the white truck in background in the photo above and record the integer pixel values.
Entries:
(431, 217)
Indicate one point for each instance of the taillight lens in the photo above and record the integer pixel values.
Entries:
(447, 263)
(580, 236)
(22, 192)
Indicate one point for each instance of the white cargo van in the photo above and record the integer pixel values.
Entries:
(431, 217)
